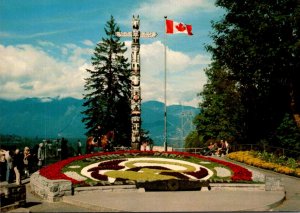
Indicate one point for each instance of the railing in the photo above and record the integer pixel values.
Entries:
(119, 148)
(237, 147)
(279, 151)
(190, 150)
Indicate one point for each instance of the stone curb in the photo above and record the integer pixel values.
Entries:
(105, 188)
(50, 190)
(236, 187)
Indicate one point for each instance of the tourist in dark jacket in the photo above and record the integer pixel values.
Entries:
(27, 161)
(18, 165)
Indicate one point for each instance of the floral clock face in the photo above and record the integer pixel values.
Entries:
(145, 169)
(117, 167)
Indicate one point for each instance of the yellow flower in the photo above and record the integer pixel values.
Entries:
(285, 170)
(297, 172)
(248, 158)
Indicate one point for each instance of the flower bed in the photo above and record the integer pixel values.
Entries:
(249, 157)
(106, 165)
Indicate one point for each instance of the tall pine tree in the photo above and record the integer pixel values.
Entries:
(107, 90)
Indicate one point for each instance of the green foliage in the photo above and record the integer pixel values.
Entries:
(107, 90)
(288, 134)
(16, 141)
(192, 140)
(292, 163)
(145, 137)
(254, 78)
(272, 158)
(220, 108)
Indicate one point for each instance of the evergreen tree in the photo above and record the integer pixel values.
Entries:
(287, 135)
(145, 137)
(107, 97)
(220, 108)
(192, 140)
(258, 41)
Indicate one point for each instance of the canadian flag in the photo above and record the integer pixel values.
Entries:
(173, 27)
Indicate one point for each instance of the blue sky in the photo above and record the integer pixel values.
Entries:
(46, 45)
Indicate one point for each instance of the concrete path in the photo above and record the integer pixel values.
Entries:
(291, 185)
(184, 201)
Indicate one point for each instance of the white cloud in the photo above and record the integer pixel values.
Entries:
(77, 55)
(157, 9)
(88, 43)
(27, 71)
(185, 75)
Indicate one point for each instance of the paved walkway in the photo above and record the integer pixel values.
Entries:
(184, 201)
(175, 201)
(292, 188)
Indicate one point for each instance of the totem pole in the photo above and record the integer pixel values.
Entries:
(135, 79)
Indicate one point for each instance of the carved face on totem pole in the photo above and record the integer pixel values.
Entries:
(135, 110)
(135, 80)
(135, 68)
(135, 54)
(136, 22)
(135, 30)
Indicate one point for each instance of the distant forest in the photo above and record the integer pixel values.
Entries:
(11, 142)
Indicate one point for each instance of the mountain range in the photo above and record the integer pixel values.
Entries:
(55, 118)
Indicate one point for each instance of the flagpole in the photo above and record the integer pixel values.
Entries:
(165, 91)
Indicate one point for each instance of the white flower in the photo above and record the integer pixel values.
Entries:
(222, 172)
(75, 176)
(74, 167)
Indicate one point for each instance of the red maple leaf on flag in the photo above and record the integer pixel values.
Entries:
(180, 27)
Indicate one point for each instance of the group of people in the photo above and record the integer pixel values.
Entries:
(100, 138)
(17, 164)
(218, 149)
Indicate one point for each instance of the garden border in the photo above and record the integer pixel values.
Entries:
(54, 190)
(50, 190)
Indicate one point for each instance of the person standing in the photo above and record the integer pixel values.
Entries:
(26, 161)
(223, 148)
(9, 165)
(227, 147)
(41, 156)
(18, 165)
(98, 134)
(144, 146)
(79, 152)
(2, 165)
(64, 149)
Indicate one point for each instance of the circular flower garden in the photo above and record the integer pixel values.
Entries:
(121, 167)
